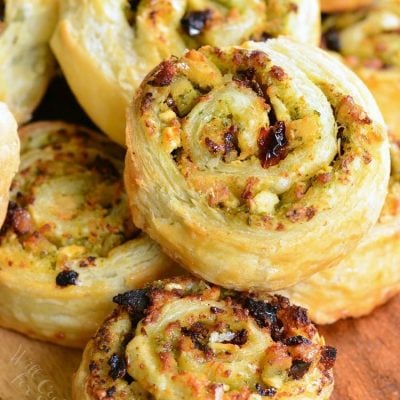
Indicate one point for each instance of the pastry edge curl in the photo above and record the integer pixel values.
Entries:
(208, 241)
(32, 303)
(9, 156)
(113, 337)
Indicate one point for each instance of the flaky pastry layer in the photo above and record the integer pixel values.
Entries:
(27, 64)
(187, 339)
(68, 244)
(253, 167)
(106, 48)
(9, 156)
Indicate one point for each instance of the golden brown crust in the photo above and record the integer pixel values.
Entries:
(186, 339)
(108, 46)
(9, 156)
(330, 6)
(224, 172)
(68, 244)
(368, 277)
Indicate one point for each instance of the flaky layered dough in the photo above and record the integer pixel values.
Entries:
(343, 5)
(9, 156)
(187, 339)
(67, 245)
(366, 278)
(253, 168)
(369, 41)
(26, 61)
(107, 47)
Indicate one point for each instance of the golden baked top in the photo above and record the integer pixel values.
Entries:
(187, 339)
(246, 155)
(68, 205)
(369, 36)
(68, 243)
(109, 46)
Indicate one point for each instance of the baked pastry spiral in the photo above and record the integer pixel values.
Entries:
(369, 41)
(343, 5)
(253, 167)
(67, 245)
(366, 278)
(187, 339)
(27, 63)
(106, 48)
(9, 156)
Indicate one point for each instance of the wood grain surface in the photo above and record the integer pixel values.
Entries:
(368, 365)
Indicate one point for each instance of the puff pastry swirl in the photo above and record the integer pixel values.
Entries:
(367, 277)
(252, 167)
(187, 339)
(26, 61)
(109, 46)
(9, 156)
(68, 245)
(369, 41)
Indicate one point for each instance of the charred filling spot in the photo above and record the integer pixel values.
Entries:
(328, 357)
(296, 340)
(247, 78)
(239, 339)
(298, 369)
(331, 39)
(164, 74)
(170, 102)
(297, 316)
(117, 365)
(265, 392)
(278, 73)
(176, 154)
(18, 219)
(199, 335)
(66, 278)
(301, 214)
(230, 144)
(216, 310)
(105, 168)
(212, 147)
(93, 367)
(135, 302)
(263, 313)
(263, 37)
(89, 261)
(194, 22)
(146, 102)
(272, 144)
(111, 391)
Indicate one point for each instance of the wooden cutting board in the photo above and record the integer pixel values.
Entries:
(368, 365)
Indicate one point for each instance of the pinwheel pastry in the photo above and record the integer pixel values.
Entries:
(67, 245)
(343, 5)
(106, 48)
(186, 339)
(26, 62)
(253, 167)
(9, 156)
(366, 278)
(369, 41)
